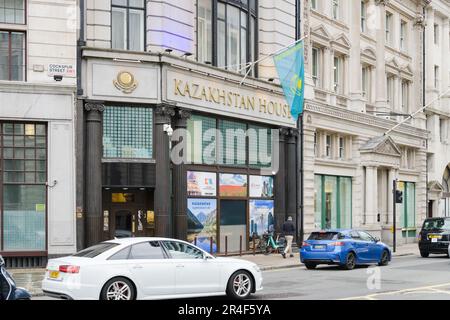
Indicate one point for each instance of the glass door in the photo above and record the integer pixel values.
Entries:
(233, 225)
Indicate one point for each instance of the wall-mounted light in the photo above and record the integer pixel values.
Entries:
(169, 51)
(271, 79)
(187, 54)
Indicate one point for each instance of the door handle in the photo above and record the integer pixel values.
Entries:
(138, 267)
(180, 266)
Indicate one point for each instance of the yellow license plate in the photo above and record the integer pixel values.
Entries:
(54, 274)
(435, 236)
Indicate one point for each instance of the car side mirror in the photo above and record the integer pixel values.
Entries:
(377, 240)
(206, 257)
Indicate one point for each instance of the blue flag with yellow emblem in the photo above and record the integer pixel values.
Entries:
(290, 65)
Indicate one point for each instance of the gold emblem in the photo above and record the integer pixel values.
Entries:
(125, 82)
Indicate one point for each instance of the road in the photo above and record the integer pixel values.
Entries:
(406, 278)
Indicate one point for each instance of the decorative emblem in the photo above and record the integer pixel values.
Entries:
(125, 82)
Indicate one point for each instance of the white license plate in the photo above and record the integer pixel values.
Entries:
(320, 247)
(434, 240)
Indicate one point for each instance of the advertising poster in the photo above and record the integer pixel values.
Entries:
(233, 185)
(261, 216)
(202, 223)
(201, 184)
(261, 187)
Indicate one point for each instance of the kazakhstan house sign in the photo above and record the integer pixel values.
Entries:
(125, 82)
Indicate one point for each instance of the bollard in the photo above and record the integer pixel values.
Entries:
(226, 246)
(254, 246)
(240, 245)
(211, 246)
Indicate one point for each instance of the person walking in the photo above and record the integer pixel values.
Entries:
(289, 231)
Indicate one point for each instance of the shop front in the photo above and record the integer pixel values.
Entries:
(176, 153)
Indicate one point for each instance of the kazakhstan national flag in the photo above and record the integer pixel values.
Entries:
(290, 65)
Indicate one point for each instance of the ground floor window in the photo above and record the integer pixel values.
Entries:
(407, 209)
(333, 202)
(23, 176)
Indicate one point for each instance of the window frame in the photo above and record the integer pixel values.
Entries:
(25, 18)
(403, 35)
(128, 8)
(388, 28)
(25, 53)
(250, 14)
(363, 20)
(316, 65)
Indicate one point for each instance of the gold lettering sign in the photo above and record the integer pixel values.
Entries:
(125, 82)
(230, 99)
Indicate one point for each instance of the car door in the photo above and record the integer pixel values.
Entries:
(154, 273)
(193, 274)
(373, 252)
(360, 246)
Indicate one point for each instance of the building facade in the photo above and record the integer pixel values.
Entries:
(438, 114)
(37, 130)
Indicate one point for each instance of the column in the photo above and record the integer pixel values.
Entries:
(381, 94)
(445, 61)
(162, 187)
(280, 184)
(371, 195)
(327, 71)
(355, 88)
(292, 174)
(179, 177)
(430, 61)
(93, 187)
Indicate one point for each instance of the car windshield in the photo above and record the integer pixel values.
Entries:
(96, 250)
(437, 224)
(325, 236)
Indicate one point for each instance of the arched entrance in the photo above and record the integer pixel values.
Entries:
(444, 206)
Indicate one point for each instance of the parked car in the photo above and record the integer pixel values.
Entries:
(148, 268)
(346, 248)
(8, 287)
(434, 237)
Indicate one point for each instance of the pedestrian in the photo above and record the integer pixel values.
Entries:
(289, 231)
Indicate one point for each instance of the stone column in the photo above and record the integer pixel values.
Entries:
(381, 94)
(93, 187)
(179, 176)
(355, 90)
(162, 187)
(291, 177)
(280, 184)
(371, 195)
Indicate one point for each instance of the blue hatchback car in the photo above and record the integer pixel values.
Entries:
(346, 248)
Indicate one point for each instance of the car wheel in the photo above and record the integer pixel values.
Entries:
(118, 289)
(384, 259)
(424, 254)
(240, 285)
(350, 262)
(310, 266)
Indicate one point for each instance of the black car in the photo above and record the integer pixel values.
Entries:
(434, 236)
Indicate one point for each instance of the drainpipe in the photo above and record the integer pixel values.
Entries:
(424, 101)
(80, 43)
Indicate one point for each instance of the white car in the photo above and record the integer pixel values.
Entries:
(148, 268)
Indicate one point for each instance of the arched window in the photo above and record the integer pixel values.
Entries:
(226, 32)
(446, 180)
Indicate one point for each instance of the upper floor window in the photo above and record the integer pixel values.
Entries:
(403, 35)
(12, 56)
(127, 24)
(338, 74)
(366, 83)
(443, 128)
(405, 95)
(314, 4)
(436, 77)
(436, 34)
(336, 8)
(328, 146)
(388, 28)
(363, 16)
(316, 68)
(390, 90)
(228, 41)
(341, 147)
(12, 11)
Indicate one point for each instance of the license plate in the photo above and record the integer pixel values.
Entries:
(320, 247)
(54, 274)
(434, 240)
(434, 237)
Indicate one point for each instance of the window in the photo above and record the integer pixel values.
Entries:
(235, 36)
(405, 96)
(316, 66)
(365, 83)
(234, 148)
(314, 4)
(337, 74)
(403, 35)
(341, 148)
(12, 11)
(96, 250)
(204, 29)
(328, 146)
(436, 77)
(146, 251)
(390, 90)
(121, 255)
(127, 25)
(333, 202)
(12, 56)
(23, 177)
(365, 236)
(363, 16)
(315, 144)
(436, 34)
(128, 132)
(408, 208)
(336, 9)
(388, 28)
(443, 128)
(179, 250)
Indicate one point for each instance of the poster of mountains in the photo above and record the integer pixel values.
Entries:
(202, 223)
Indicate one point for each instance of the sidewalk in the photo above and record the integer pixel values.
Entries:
(31, 279)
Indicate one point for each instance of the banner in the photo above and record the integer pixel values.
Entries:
(261, 216)
(290, 65)
(202, 223)
(233, 185)
(261, 187)
(201, 184)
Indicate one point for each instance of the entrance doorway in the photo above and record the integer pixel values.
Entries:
(128, 213)
(233, 225)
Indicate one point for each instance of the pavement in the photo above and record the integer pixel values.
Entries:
(31, 279)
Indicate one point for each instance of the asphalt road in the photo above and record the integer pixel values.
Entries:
(406, 278)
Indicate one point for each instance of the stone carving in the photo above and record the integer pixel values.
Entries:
(419, 21)
(93, 106)
(165, 112)
(382, 2)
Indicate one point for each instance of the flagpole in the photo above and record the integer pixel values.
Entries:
(252, 64)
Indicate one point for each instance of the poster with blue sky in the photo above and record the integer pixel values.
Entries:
(202, 223)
